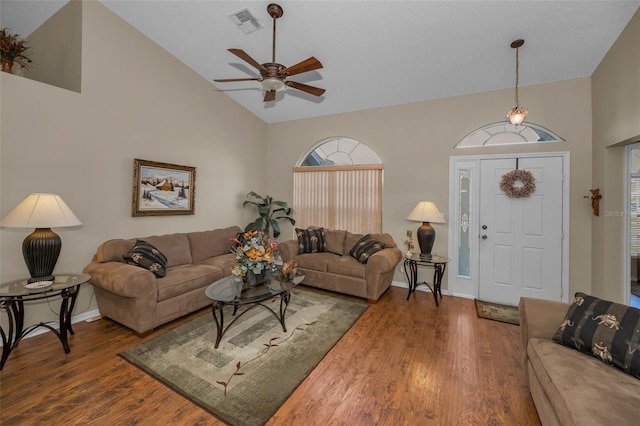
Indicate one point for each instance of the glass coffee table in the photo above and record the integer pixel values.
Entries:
(232, 291)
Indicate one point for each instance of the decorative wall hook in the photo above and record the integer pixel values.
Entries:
(595, 200)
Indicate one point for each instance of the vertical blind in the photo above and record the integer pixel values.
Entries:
(339, 197)
(635, 215)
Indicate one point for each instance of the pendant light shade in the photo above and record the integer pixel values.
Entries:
(517, 114)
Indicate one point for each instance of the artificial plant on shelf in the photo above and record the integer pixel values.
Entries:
(270, 211)
(12, 50)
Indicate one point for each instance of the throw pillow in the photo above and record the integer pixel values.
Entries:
(606, 330)
(365, 247)
(148, 257)
(311, 240)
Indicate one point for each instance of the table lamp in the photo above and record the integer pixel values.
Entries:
(42, 247)
(426, 212)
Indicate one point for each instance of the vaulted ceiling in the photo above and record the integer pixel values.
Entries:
(375, 53)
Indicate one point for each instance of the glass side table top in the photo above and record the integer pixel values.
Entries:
(232, 290)
(18, 288)
(419, 258)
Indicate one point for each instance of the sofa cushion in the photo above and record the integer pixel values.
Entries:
(185, 278)
(347, 266)
(365, 247)
(148, 257)
(224, 262)
(335, 240)
(581, 389)
(207, 244)
(316, 261)
(174, 246)
(606, 330)
(311, 240)
(350, 240)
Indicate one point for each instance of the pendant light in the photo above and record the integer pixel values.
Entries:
(517, 114)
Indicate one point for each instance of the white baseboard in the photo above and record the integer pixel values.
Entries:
(78, 318)
(419, 288)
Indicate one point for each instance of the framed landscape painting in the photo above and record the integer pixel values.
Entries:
(162, 189)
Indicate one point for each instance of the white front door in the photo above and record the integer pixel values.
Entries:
(520, 245)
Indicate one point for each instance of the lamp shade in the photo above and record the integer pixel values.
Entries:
(426, 211)
(41, 211)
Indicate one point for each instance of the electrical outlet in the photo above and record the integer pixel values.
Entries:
(409, 233)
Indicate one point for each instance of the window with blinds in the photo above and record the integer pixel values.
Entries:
(634, 212)
(336, 187)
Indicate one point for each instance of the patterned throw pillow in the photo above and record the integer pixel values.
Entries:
(365, 247)
(311, 240)
(606, 330)
(148, 257)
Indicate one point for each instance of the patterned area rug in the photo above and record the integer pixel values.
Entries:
(497, 312)
(256, 366)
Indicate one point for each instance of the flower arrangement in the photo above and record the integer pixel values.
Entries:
(254, 252)
(12, 48)
(410, 245)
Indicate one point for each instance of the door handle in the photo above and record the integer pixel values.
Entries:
(484, 226)
(484, 237)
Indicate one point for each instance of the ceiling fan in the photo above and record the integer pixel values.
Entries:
(273, 75)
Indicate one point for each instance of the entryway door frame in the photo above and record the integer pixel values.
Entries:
(464, 231)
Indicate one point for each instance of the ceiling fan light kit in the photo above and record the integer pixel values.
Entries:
(274, 75)
(517, 114)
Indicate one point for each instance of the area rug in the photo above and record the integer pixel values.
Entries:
(256, 366)
(497, 312)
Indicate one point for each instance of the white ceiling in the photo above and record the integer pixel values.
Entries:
(379, 53)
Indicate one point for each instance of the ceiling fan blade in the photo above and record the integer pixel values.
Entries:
(307, 65)
(316, 91)
(227, 80)
(269, 95)
(248, 59)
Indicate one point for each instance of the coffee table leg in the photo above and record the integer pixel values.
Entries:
(284, 302)
(217, 307)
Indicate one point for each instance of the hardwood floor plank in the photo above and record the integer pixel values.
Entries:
(403, 362)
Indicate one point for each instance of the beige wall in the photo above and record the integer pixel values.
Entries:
(137, 101)
(616, 121)
(416, 140)
(56, 49)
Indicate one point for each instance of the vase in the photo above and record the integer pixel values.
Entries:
(252, 279)
(6, 65)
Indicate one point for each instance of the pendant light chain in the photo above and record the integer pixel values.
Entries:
(517, 74)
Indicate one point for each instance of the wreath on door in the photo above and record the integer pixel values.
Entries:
(518, 183)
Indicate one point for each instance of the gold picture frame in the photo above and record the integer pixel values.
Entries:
(162, 189)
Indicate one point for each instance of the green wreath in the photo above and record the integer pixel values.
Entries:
(510, 179)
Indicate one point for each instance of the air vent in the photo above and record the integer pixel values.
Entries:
(246, 21)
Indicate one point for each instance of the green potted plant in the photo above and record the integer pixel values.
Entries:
(12, 48)
(270, 211)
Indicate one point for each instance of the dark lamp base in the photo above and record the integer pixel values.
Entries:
(426, 237)
(40, 250)
(38, 279)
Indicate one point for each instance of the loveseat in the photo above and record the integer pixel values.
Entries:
(570, 387)
(330, 264)
(139, 299)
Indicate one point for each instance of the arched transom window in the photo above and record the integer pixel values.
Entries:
(505, 133)
(337, 184)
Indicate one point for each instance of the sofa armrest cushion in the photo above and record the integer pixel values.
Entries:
(311, 240)
(606, 330)
(365, 247)
(148, 257)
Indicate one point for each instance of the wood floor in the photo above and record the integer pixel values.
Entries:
(402, 363)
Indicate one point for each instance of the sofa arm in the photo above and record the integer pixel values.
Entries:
(539, 319)
(288, 250)
(123, 279)
(383, 261)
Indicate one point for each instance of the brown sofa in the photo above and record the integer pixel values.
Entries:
(136, 298)
(336, 270)
(569, 387)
